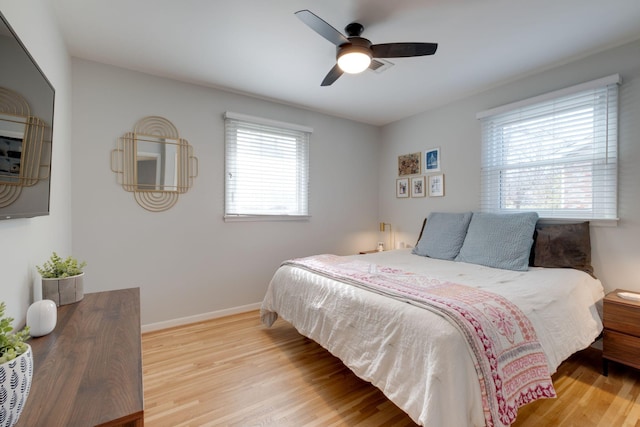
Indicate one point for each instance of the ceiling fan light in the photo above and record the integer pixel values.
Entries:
(354, 59)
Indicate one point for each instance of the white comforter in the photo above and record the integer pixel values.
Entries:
(419, 360)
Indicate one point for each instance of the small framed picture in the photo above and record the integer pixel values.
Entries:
(409, 164)
(402, 187)
(418, 186)
(432, 160)
(436, 185)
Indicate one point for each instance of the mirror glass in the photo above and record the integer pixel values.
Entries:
(11, 137)
(156, 163)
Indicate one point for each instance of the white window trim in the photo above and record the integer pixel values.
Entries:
(267, 122)
(604, 81)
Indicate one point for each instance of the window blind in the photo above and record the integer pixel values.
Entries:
(557, 156)
(266, 168)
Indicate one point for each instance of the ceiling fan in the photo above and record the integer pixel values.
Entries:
(355, 54)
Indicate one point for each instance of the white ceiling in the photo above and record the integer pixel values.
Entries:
(260, 48)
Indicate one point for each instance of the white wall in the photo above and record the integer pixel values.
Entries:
(28, 242)
(454, 128)
(187, 260)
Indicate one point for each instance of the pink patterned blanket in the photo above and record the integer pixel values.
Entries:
(511, 366)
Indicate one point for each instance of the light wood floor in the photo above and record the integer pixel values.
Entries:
(235, 372)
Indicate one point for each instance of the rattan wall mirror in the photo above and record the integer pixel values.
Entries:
(154, 163)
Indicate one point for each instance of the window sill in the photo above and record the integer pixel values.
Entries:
(592, 222)
(254, 218)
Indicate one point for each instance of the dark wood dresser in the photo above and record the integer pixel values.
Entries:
(88, 371)
(621, 319)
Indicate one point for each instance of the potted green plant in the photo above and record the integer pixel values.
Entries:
(62, 279)
(16, 369)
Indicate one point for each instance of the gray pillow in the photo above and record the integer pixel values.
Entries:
(499, 240)
(443, 235)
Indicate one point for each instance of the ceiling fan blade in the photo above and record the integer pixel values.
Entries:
(403, 50)
(321, 27)
(332, 76)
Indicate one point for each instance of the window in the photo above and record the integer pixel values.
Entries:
(555, 154)
(267, 169)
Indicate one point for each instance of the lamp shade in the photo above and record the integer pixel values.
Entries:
(354, 59)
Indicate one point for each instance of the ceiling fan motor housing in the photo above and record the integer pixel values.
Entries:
(356, 44)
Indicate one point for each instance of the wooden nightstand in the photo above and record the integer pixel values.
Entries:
(621, 318)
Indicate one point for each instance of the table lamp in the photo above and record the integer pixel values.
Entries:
(383, 227)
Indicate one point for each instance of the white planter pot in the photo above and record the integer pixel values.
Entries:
(15, 383)
(63, 291)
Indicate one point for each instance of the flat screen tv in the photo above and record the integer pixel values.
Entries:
(26, 129)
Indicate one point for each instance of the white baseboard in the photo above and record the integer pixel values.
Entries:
(199, 317)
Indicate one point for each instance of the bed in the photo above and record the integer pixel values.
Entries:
(420, 357)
